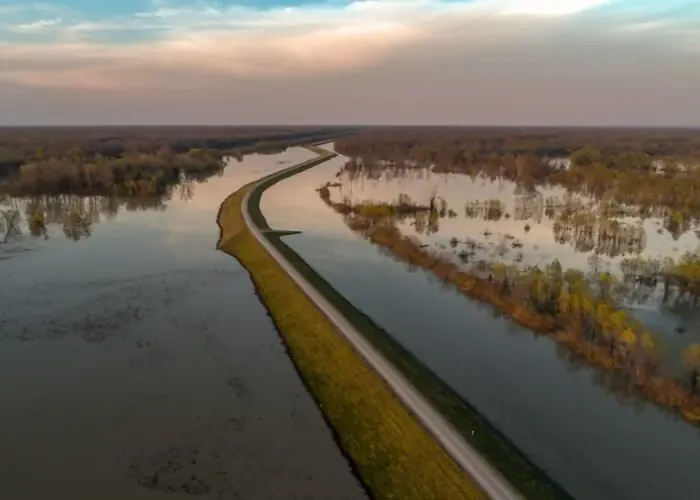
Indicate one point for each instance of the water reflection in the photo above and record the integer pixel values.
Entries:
(135, 346)
(10, 224)
(571, 223)
(77, 215)
(586, 427)
(74, 214)
(486, 218)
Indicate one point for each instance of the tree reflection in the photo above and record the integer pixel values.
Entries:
(10, 224)
(77, 225)
(587, 232)
(185, 189)
(76, 215)
(529, 205)
(488, 210)
(588, 224)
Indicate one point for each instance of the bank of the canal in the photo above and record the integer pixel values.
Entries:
(139, 363)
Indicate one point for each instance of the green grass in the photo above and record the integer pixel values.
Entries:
(395, 457)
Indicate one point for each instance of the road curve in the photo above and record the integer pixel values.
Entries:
(490, 480)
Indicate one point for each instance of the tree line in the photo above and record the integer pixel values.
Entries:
(138, 174)
(645, 168)
(462, 144)
(20, 145)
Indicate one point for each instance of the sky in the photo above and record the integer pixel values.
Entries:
(408, 62)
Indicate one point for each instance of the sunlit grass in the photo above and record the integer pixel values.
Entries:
(395, 457)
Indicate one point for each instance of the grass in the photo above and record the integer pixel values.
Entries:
(489, 441)
(393, 455)
(498, 450)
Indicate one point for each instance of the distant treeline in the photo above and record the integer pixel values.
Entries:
(23, 145)
(131, 161)
(135, 174)
(441, 142)
(643, 167)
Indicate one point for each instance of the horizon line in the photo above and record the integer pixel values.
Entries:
(326, 125)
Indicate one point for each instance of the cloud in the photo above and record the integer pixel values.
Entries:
(249, 55)
(237, 42)
(37, 26)
(397, 49)
(551, 7)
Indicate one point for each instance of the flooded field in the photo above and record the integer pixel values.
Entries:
(528, 228)
(137, 362)
(584, 426)
(494, 220)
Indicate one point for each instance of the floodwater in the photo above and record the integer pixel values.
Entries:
(136, 361)
(577, 423)
(532, 219)
(494, 220)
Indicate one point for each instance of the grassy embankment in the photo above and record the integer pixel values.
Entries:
(394, 456)
(475, 429)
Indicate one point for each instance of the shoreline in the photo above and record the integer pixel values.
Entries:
(667, 393)
(490, 443)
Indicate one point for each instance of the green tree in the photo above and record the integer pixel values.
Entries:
(585, 156)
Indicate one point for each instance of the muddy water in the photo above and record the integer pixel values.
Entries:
(577, 423)
(137, 363)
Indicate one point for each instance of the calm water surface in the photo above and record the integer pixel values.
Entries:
(575, 422)
(529, 230)
(137, 363)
